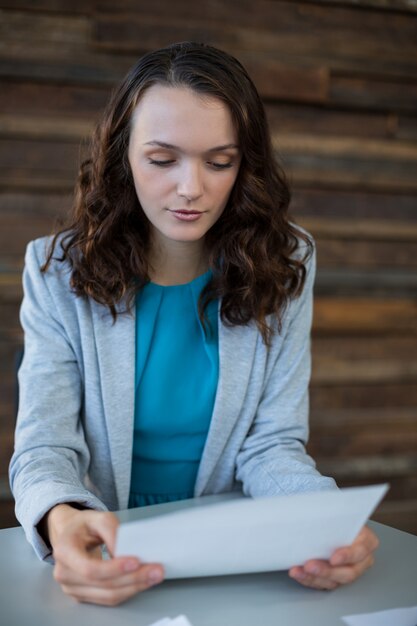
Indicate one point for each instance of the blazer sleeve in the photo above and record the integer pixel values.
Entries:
(51, 457)
(273, 459)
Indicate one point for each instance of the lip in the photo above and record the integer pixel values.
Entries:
(186, 215)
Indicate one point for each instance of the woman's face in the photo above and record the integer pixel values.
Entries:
(184, 158)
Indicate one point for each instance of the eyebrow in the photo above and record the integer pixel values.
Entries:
(170, 146)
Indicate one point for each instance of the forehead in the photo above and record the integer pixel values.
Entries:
(182, 117)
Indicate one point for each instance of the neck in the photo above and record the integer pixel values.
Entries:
(178, 263)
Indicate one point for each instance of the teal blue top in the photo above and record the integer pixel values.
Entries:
(177, 369)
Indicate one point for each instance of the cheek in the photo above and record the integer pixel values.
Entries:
(149, 184)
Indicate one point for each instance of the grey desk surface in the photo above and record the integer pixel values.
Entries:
(30, 597)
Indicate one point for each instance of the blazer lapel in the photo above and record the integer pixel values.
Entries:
(115, 344)
(237, 346)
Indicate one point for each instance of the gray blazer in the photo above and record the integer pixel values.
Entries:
(74, 431)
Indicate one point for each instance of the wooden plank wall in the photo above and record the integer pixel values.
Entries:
(339, 80)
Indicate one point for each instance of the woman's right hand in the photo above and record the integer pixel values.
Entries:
(76, 537)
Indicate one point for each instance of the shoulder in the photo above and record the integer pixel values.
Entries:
(305, 253)
(37, 252)
(306, 246)
(55, 280)
(298, 309)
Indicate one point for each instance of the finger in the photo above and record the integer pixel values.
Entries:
(147, 575)
(319, 571)
(349, 573)
(308, 580)
(341, 574)
(98, 595)
(104, 526)
(365, 543)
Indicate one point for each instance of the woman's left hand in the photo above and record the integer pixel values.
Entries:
(345, 565)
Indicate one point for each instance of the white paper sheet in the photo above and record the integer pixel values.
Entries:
(250, 535)
(394, 617)
(181, 620)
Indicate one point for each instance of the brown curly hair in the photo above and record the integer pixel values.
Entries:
(252, 245)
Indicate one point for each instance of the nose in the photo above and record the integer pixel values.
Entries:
(190, 184)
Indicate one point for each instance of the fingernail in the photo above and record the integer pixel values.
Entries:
(314, 569)
(131, 565)
(155, 576)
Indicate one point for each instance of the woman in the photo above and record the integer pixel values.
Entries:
(167, 328)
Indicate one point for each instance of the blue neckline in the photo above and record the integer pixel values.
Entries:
(193, 283)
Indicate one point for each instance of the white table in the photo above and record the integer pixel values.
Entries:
(30, 597)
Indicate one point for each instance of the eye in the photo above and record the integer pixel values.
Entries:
(220, 166)
(163, 163)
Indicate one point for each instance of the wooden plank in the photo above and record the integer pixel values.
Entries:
(12, 179)
(48, 62)
(301, 119)
(363, 164)
(5, 493)
(28, 205)
(29, 98)
(10, 290)
(287, 82)
(362, 316)
(360, 445)
(281, 30)
(56, 6)
(353, 205)
(381, 5)
(353, 253)
(8, 409)
(385, 418)
(352, 147)
(7, 517)
(36, 226)
(132, 5)
(6, 451)
(341, 371)
(377, 467)
(31, 127)
(10, 329)
(351, 173)
(360, 229)
(214, 13)
(23, 29)
(38, 164)
(356, 349)
(396, 429)
(407, 127)
(351, 360)
(371, 283)
(329, 397)
(370, 93)
(38, 155)
(115, 32)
